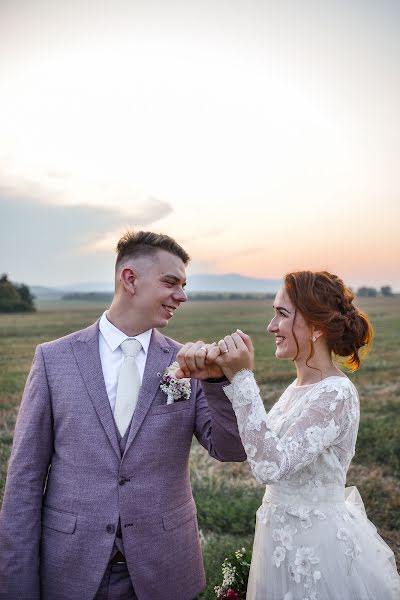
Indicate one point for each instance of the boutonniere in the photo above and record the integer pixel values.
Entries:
(176, 389)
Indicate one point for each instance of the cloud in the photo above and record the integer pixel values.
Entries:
(58, 174)
(42, 242)
(203, 236)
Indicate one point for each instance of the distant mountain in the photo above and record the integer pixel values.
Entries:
(40, 291)
(230, 282)
(43, 292)
(94, 286)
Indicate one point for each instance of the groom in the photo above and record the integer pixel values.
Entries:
(98, 503)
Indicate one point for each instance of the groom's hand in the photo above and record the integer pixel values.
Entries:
(196, 360)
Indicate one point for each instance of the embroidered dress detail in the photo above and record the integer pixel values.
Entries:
(313, 539)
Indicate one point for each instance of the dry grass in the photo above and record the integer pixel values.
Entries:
(227, 494)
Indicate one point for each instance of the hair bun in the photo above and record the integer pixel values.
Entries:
(326, 303)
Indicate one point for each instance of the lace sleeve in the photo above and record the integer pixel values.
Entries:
(326, 416)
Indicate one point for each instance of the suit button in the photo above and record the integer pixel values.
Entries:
(110, 528)
(122, 480)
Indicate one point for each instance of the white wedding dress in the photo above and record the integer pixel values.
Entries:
(313, 540)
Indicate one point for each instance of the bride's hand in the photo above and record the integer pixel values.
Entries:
(197, 360)
(236, 353)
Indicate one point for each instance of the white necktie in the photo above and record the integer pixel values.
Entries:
(128, 385)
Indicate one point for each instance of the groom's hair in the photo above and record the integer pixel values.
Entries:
(146, 243)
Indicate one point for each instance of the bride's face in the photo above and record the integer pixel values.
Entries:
(285, 325)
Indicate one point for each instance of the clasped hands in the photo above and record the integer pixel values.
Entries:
(210, 361)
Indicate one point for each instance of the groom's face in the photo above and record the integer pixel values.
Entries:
(159, 288)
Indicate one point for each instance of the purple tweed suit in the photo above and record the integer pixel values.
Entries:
(68, 486)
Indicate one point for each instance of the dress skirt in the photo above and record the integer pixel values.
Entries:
(326, 549)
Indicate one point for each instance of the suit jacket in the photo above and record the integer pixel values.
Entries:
(68, 486)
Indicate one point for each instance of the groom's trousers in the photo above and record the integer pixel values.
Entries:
(116, 584)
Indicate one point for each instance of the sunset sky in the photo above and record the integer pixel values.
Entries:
(263, 135)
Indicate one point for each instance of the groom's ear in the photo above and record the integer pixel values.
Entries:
(128, 278)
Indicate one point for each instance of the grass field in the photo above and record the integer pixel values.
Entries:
(227, 496)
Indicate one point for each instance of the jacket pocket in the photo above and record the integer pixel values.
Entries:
(164, 409)
(179, 516)
(58, 520)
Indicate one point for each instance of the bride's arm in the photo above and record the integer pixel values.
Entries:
(323, 420)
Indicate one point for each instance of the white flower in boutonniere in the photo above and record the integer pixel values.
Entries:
(176, 389)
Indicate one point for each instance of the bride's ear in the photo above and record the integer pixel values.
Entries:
(316, 334)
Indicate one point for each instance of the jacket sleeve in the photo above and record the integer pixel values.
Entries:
(215, 426)
(20, 517)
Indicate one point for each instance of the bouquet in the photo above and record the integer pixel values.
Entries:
(235, 571)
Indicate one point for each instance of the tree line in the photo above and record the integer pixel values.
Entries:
(18, 298)
(371, 292)
(15, 297)
(106, 297)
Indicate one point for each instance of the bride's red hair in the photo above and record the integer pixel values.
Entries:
(327, 304)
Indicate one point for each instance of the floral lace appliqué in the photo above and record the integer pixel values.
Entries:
(353, 549)
(303, 570)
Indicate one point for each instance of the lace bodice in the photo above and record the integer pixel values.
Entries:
(306, 439)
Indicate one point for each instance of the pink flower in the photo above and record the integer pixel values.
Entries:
(232, 594)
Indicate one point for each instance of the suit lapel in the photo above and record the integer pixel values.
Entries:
(159, 356)
(86, 351)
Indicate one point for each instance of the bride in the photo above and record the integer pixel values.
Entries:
(313, 540)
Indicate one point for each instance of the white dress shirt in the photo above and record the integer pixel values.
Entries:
(111, 354)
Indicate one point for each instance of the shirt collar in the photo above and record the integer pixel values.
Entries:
(114, 336)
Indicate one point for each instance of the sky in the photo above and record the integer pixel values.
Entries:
(263, 135)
